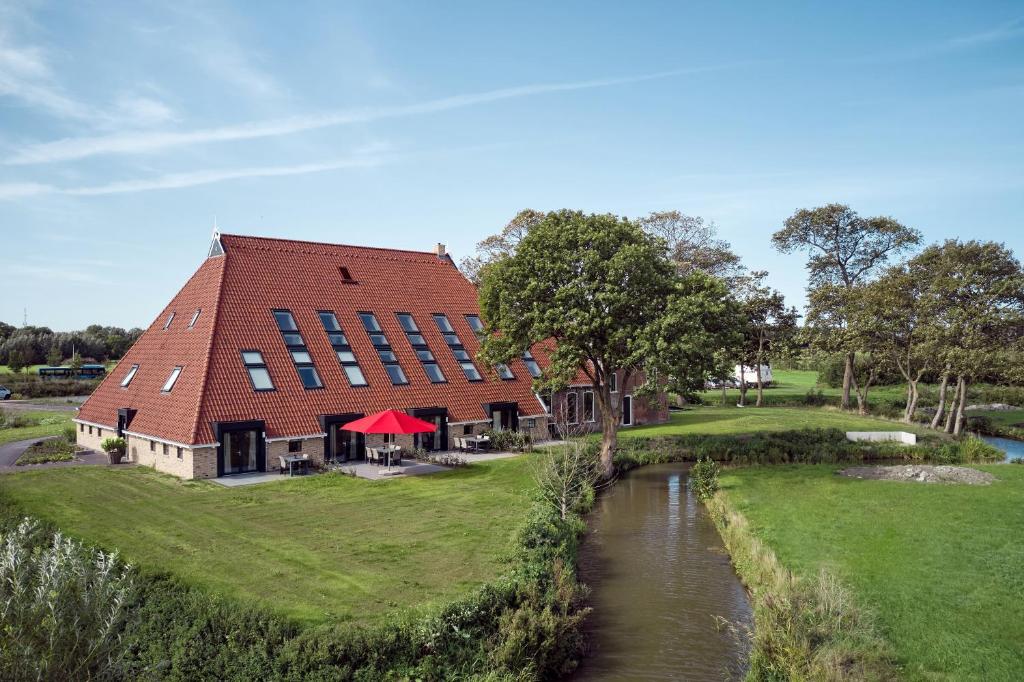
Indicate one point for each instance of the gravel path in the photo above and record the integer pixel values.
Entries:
(922, 473)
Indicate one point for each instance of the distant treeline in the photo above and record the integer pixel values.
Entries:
(41, 345)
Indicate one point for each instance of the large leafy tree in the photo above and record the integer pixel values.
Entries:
(693, 244)
(975, 300)
(612, 301)
(769, 326)
(844, 250)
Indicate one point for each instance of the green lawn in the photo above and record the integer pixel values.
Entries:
(1013, 418)
(50, 424)
(319, 548)
(734, 420)
(790, 384)
(939, 565)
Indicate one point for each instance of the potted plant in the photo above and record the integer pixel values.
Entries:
(115, 449)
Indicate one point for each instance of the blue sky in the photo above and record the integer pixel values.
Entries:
(127, 128)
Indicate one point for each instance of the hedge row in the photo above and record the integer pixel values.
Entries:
(804, 446)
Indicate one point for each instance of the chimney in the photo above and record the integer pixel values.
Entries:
(439, 250)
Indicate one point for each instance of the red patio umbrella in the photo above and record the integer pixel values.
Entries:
(390, 422)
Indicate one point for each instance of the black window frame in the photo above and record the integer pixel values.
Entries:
(531, 363)
(381, 344)
(593, 408)
(294, 445)
(476, 325)
(454, 344)
(414, 335)
(345, 347)
(262, 364)
(291, 347)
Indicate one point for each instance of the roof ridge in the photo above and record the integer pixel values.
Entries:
(209, 349)
(332, 244)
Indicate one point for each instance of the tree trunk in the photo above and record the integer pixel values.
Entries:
(847, 380)
(725, 393)
(941, 408)
(953, 404)
(761, 390)
(609, 430)
(743, 386)
(862, 393)
(912, 405)
(959, 423)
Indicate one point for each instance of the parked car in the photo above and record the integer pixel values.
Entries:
(5, 393)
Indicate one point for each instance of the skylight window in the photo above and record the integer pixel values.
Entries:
(129, 376)
(383, 348)
(346, 276)
(170, 319)
(296, 345)
(531, 364)
(475, 324)
(169, 384)
(258, 373)
(419, 345)
(195, 316)
(504, 372)
(458, 350)
(339, 342)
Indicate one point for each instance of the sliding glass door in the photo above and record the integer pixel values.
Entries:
(240, 451)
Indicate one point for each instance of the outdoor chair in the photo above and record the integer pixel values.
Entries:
(460, 444)
(283, 464)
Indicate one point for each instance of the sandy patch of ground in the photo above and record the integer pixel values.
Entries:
(921, 473)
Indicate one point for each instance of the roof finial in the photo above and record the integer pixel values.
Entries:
(216, 248)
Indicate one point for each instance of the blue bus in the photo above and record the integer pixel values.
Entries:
(87, 371)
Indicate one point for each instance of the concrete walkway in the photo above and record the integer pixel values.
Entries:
(10, 452)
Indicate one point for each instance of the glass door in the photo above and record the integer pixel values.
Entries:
(627, 410)
(343, 445)
(239, 451)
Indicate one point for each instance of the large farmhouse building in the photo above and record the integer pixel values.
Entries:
(273, 345)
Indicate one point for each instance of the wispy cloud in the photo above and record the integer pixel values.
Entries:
(77, 274)
(1008, 31)
(69, 149)
(25, 75)
(196, 178)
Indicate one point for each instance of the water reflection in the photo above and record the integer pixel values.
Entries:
(660, 577)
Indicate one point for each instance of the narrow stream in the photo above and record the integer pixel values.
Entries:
(1014, 449)
(660, 579)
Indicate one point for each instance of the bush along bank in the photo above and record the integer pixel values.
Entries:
(803, 446)
(804, 629)
(525, 625)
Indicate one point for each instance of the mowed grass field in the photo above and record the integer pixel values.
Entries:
(50, 423)
(320, 548)
(741, 420)
(940, 566)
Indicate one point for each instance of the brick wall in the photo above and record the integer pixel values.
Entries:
(644, 412)
(91, 436)
(313, 447)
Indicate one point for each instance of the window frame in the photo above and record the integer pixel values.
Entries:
(127, 380)
(575, 408)
(530, 362)
(170, 318)
(414, 335)
(593, 408)
(296, 334)
(379, 340)
(172, 379)
(262, 364)
(454, 343)
(195, 318)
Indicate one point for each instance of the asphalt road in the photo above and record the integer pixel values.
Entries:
(37, 406)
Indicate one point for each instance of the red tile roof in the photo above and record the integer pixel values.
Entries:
(238, 291)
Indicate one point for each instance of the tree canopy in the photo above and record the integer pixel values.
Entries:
(610, 298)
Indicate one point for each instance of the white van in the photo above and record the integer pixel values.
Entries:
(749, 374)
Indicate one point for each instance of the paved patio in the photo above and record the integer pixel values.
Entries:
(371, 472)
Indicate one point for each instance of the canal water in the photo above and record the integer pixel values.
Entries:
(661, 583)
(1014, 449)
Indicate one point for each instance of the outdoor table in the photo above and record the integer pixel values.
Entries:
(476, 441)
(388, 449)
(292, 460)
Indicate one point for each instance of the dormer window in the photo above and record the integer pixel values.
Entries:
(195, 317)
(170, 319)
(169, 384)
(129, 376)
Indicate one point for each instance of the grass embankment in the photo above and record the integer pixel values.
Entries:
(24, 425)
(323, 548)
(938, 566)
